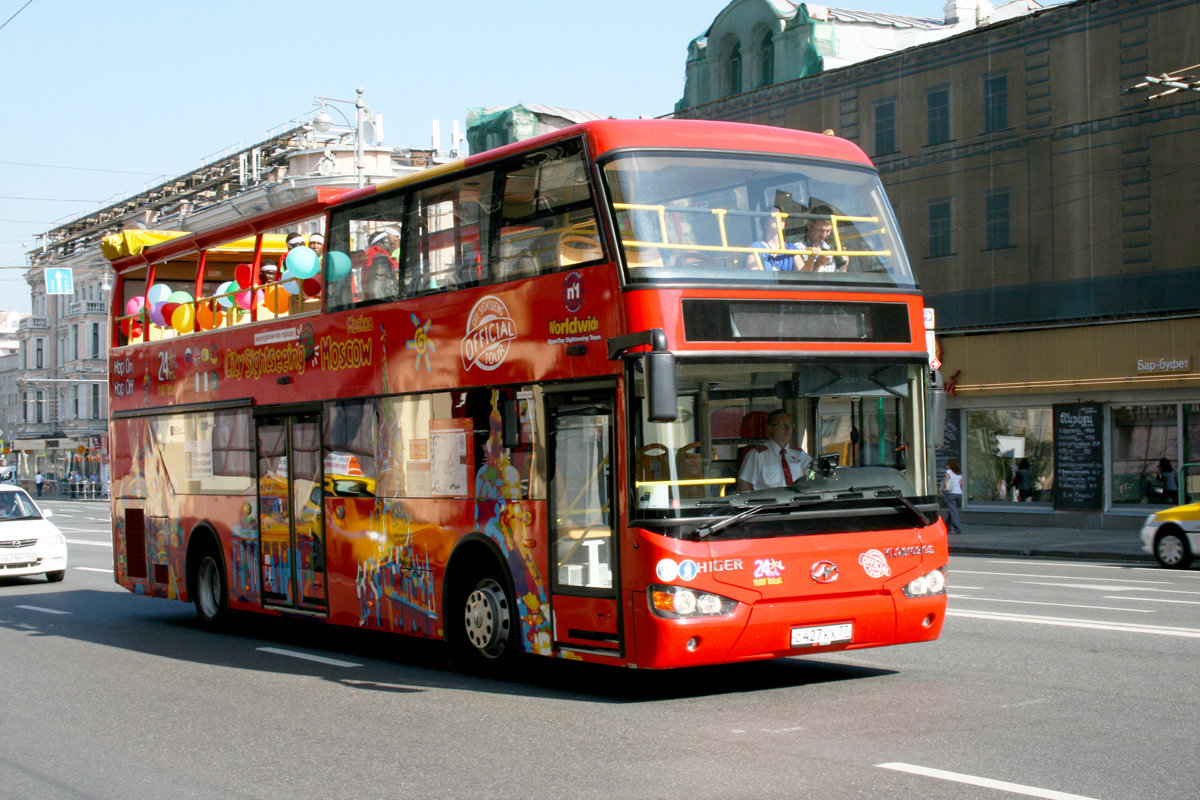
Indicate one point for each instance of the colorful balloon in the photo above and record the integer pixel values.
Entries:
(244, 300)
(312, 287)
(135, 305)
(289, 282)
(156, 314)
(158, 293)
(276, 300)
(208, 316)
(337, 266)
(302, 262)
(183, 317)
(224, 299)
(243, 274)
(179, 297)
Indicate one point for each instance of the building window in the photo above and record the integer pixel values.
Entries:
(735, 69)
(95, 340)
(885, 127)
(75, 399)
(96, 401)
(1141, 437)
(39, 355)
(1002, 441)
(937, 104)
(766, 60)
(37, 408)
(995, 103)
(940, 225)
(997, 220)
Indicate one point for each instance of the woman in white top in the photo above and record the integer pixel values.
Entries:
(952, 492)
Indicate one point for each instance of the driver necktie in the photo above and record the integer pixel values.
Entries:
(787, 471)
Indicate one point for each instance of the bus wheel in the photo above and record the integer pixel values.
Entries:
(212, 595)
(489, 622)
(1171, 549)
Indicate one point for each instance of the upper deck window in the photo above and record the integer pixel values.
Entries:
(737, 218)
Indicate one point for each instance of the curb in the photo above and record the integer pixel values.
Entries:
(1028, 552)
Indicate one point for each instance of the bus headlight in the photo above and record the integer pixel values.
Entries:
(927, 585)
(678, 602)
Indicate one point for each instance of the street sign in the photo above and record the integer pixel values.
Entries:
(60, 280)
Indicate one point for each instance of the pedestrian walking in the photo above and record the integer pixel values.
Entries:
(37, 480)
(952, 495)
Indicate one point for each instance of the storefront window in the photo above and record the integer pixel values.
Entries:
(1142, 437)
(1002, 442)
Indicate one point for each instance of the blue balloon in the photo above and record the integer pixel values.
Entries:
(303, 262)
(158, 293)
(337, 266)
(225, 300)
(289, 283)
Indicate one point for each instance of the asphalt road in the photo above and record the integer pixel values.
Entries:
(1054, 679)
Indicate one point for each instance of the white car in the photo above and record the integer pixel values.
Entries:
(1173, 536)
(29, 543)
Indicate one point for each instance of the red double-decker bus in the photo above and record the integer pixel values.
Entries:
(649, 393)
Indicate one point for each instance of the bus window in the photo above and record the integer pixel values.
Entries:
(547, 220)
(447, 234)
(362, 265)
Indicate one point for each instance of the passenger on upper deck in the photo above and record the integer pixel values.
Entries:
(317, 242)
(815, 241)
(771, 240)
(382, 257)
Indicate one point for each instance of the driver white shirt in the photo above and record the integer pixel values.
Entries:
(763, 467)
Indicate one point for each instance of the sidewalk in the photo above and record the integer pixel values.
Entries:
(1050, 542)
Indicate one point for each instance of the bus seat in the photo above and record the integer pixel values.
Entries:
(689, 465)
(653, 463)
(754, 431)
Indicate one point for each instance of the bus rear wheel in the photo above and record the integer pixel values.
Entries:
(212, 593)
(489, 623)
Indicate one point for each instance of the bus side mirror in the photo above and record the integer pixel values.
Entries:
(660, 386)
(937, 410)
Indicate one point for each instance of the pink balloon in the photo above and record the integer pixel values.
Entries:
(243, 299)
(135, 305)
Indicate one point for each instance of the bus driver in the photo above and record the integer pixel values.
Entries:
(776, 462)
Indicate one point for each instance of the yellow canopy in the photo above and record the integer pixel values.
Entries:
(132, 242)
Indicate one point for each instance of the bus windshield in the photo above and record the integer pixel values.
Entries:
(853, 430)
(724, 217)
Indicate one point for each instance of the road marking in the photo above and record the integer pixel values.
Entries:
(44, 610)
(1056, 605)
(1122, 627)
(1044, 577)
(93, 569)
(90, 543)
(1099, 587)
(333, 662)
(987, 783)
(1157, 600)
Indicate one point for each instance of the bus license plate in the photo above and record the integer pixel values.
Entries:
(822, 635)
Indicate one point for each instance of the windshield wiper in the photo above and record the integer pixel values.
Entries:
(713, 527)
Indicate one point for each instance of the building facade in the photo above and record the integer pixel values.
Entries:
(1046, 209)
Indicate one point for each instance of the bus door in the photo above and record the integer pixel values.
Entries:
(584, 570)
(291, 519)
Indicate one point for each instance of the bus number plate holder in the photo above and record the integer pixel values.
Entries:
(822, 635)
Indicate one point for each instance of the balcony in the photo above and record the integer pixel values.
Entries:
(86, 307)
(33, 324)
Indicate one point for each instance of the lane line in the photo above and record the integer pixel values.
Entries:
(41, 610)
(1063, 622)
(93, 569)
(90, 544)
(987, 783)
(1099, 587)
(1060, 577)
(333, 662)
(1157, 600)
(1056, 605)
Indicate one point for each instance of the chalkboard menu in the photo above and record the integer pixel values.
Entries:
(1078, 456)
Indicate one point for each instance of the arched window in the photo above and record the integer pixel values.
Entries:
(766, 60)
(735, 68)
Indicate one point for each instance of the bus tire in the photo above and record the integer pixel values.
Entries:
(1171, 548)
(210, 589)
(486, 622)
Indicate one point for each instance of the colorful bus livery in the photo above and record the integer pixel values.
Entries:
(514, 409)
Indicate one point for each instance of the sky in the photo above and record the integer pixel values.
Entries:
(106, 99)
